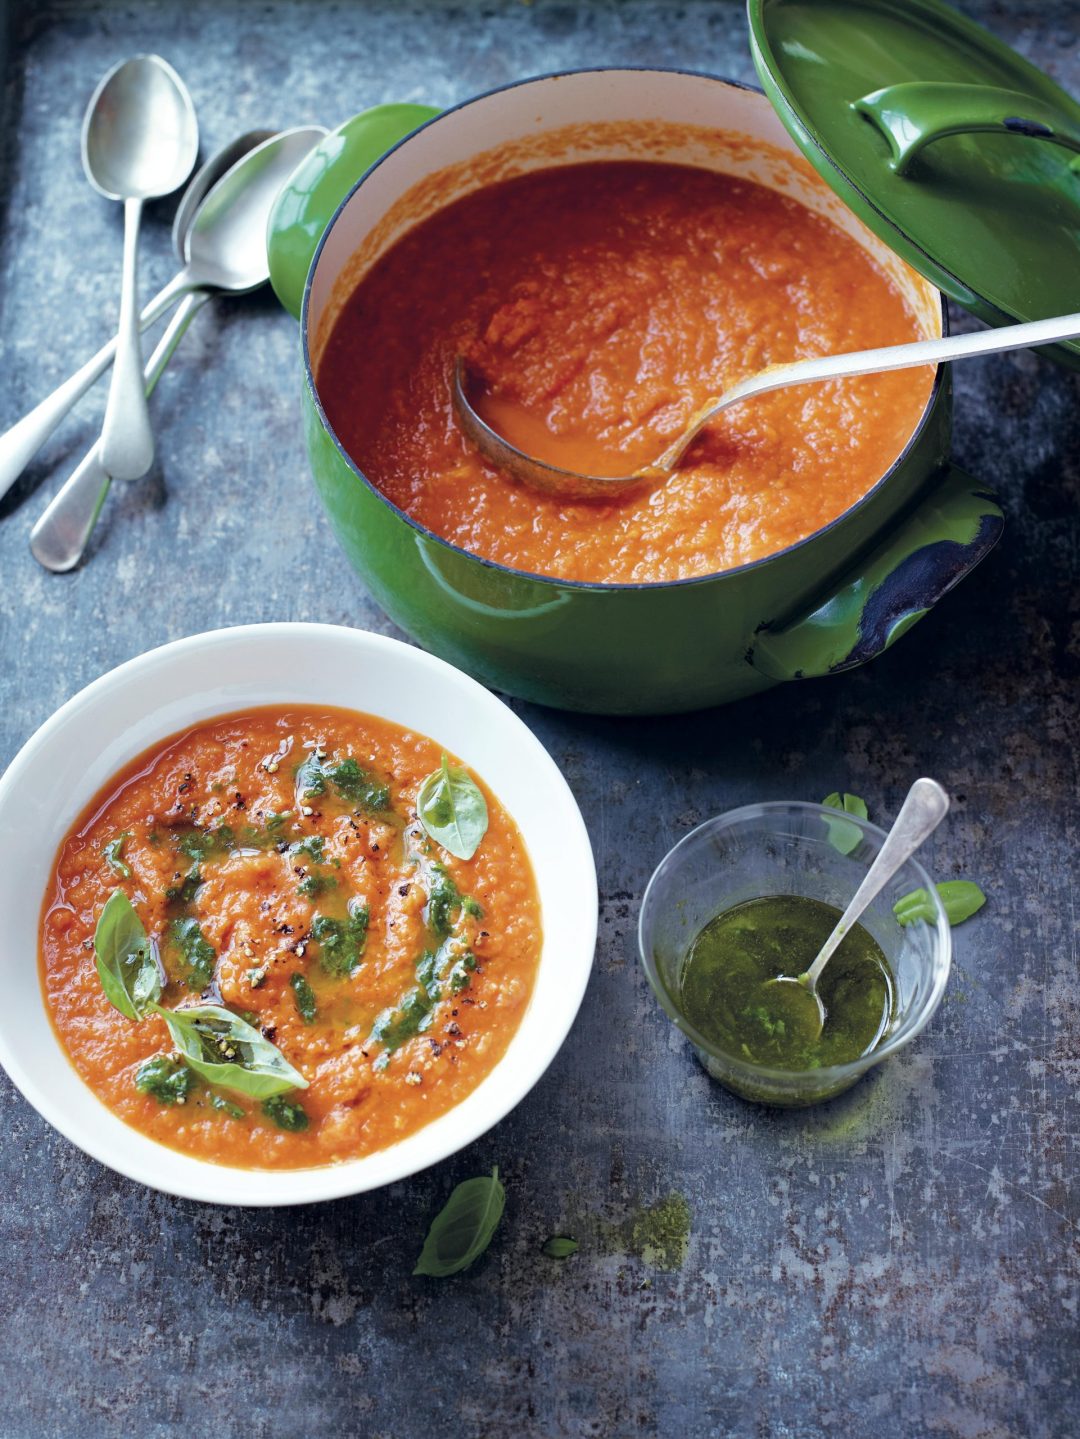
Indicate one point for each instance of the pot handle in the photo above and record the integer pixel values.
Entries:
(312, 194)
(876, 601)
(918, 112)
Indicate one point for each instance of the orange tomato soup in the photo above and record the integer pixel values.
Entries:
(312, 903)
(602, 304)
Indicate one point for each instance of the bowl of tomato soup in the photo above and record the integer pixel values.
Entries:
(608, 249)
(311, 910)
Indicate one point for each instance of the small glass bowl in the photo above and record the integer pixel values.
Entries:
(784, 848)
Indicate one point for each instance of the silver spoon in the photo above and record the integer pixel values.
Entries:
(569, 484)
(140, 140)
(63, 530)
(224, 244)
(922, 811)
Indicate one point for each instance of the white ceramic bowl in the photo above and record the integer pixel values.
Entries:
(96, 733)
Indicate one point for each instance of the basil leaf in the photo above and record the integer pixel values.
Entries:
(223, 1049)
(842, 836)
(560, 1247)
(463, 1228)
(113, 853)
(960, 898)
(126, 963)
(452, 809)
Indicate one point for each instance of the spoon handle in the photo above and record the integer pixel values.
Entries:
(127, 437)
(21, 442)
(60, 536)
(921, 813)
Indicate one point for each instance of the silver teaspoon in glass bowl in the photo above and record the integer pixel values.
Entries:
(228, 240)
(552, 479)
(923, 810)
(60, 536)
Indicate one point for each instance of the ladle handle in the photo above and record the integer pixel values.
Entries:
(871, 362)
(904, 357)
(20, 444)
(60, 536)
(921, 813)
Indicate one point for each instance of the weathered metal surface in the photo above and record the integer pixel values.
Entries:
(906, 1258)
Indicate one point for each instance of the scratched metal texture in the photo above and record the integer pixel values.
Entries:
(905, 1258)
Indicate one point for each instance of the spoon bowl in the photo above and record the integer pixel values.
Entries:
(60, 536)
(140, 140)
(226, 244)
(231, 256)
(140, 137)
(555, 480)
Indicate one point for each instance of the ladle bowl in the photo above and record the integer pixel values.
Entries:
(555, 480)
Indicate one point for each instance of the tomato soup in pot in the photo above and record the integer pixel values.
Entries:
(603, 303)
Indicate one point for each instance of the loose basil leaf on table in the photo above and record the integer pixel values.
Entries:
(843, 836)
(560, 1247)
(225, 1050)
(960, 899)
(452, 809)
(126, 963)
(463, 1228)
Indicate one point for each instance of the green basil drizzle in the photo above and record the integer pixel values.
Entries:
(341, 941)
(305, 998)
(113, 853)
(446, 902)
(169, 1080)
(414, 1013)
(234, 1111)
(199, 954)
(353, 783)
(286, 1114)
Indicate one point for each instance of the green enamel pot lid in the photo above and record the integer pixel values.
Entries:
(959, 154)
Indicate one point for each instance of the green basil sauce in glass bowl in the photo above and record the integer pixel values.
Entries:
(724, 990)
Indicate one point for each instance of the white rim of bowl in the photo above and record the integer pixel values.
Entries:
(345, 1178)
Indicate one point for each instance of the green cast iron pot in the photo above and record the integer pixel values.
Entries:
(832, 601)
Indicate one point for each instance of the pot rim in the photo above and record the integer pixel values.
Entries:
(567, 584)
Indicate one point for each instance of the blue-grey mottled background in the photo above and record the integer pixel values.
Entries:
(904, 1260)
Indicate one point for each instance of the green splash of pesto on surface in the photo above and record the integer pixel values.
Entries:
(660, 1234)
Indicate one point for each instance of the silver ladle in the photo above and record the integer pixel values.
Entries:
(569, 484)
(140, 141)
(923, 810)
(61, 534)
(228, 244)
